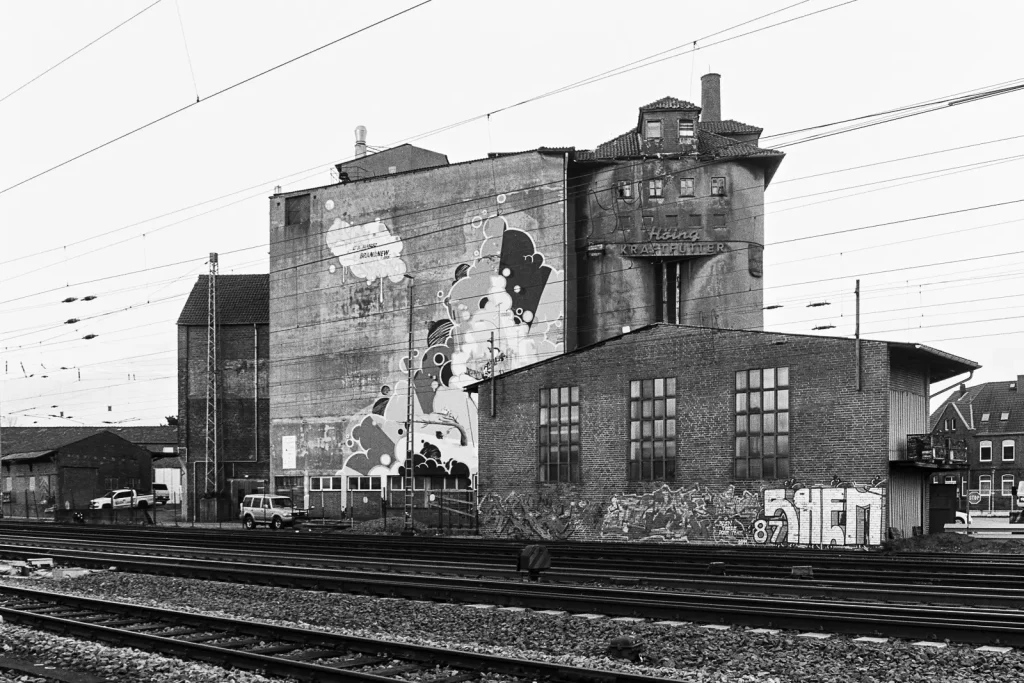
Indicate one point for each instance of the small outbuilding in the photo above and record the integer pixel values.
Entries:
(48, 468)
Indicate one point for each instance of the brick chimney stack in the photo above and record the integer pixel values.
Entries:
(711, 97)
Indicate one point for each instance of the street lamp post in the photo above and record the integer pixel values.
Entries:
(408, 529)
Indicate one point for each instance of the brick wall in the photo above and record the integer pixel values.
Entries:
(837, 433)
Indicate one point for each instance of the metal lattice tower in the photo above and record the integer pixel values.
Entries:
(211, 379)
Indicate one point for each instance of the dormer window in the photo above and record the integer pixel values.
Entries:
(653, 130)
(685, 131)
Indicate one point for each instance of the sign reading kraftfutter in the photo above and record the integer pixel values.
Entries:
(675, 249)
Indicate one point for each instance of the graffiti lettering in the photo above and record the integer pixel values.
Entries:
(822, 516)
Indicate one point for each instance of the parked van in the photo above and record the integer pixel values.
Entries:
(274, 511)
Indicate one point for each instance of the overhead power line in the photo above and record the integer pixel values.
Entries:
(210, 97)
(79, 51)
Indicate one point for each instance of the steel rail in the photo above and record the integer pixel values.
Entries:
(194, 636)
(967, 624)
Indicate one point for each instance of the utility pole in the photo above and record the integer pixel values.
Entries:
(408, 529)
(493, 372)
(212, 478)
(856, 293)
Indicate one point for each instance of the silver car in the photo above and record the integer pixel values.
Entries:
(274, 511)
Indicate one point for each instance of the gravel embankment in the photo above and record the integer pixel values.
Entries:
(686, 652)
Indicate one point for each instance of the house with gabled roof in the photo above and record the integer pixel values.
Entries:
(243, 401)
(987, 422)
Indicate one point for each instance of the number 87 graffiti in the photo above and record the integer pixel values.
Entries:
(762, 533)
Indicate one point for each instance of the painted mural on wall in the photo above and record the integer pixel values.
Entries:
(840, 513)
(504, 287)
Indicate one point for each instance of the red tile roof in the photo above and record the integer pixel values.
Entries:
(669, 103)
(241, 300)
(727, 127)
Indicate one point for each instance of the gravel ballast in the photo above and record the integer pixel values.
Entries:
(687, 652)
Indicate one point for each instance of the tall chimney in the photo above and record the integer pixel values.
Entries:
(711, 97)
(360, 141)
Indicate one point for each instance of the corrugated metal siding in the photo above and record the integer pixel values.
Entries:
(908, 414)
(906, 501)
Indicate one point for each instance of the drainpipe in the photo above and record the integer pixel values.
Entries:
(959, 381)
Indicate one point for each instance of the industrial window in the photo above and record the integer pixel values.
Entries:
(652, 429)
(656, 187)
(984, 417)
(686, 187)
(1008, 449)
(296, 209)
(289, 486)
(985, 485)
(685, 130)
(558, 434)
(653, 130)
(762, 423)
(985, 451)
(1004, 416)
(398, 483)
(325, 483)
(718, 187)
(364, 483)
(625, 189)
(668, 277)
(1006, 484)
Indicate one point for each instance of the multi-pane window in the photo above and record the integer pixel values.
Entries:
(985, 451)
(652, 429)
(762, 423)
(985, 485)
(1008, 449)
(325, 483)
(656, 187)
(364, 483)
(685, 130)
(625, 189)
(686, 187)
(1006, 484)
(718, 187)
(558, 433)
(653, 130)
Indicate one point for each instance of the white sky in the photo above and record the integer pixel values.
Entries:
(953, 282)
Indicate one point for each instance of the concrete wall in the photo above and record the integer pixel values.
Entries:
(838, 444)
(486, 243)
(616, 286)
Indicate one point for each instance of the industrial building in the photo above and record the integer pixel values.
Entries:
(709, 435)
(235, 408)
(413, 278)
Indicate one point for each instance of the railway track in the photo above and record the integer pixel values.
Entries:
(274, 650)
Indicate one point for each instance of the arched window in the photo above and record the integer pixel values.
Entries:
(985, 451)
(985, 484)
(1007, 449)
(1007, 484)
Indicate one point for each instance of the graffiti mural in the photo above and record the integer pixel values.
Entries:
(683, 515)
(821, 515)
(504, 291)
(840, 513)
(554, 515)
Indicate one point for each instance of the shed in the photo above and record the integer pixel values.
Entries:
(50, 467)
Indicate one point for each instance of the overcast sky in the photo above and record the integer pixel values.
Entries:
(133, 223)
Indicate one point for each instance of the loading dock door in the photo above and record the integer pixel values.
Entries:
(941, 506)
(81, 484)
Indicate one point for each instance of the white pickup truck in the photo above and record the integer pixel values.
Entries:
(119, 499)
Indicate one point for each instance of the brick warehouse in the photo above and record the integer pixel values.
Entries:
(244, 402)
(706, 435)
(546, 250)
(987, 422)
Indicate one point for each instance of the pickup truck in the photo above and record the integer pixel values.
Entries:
(121, 499)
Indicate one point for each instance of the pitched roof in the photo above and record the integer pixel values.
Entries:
(626, 145)
(942, 365)
(728, 126)
(994, 398)
(36, 439)
(241, 300)
(669, 103)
